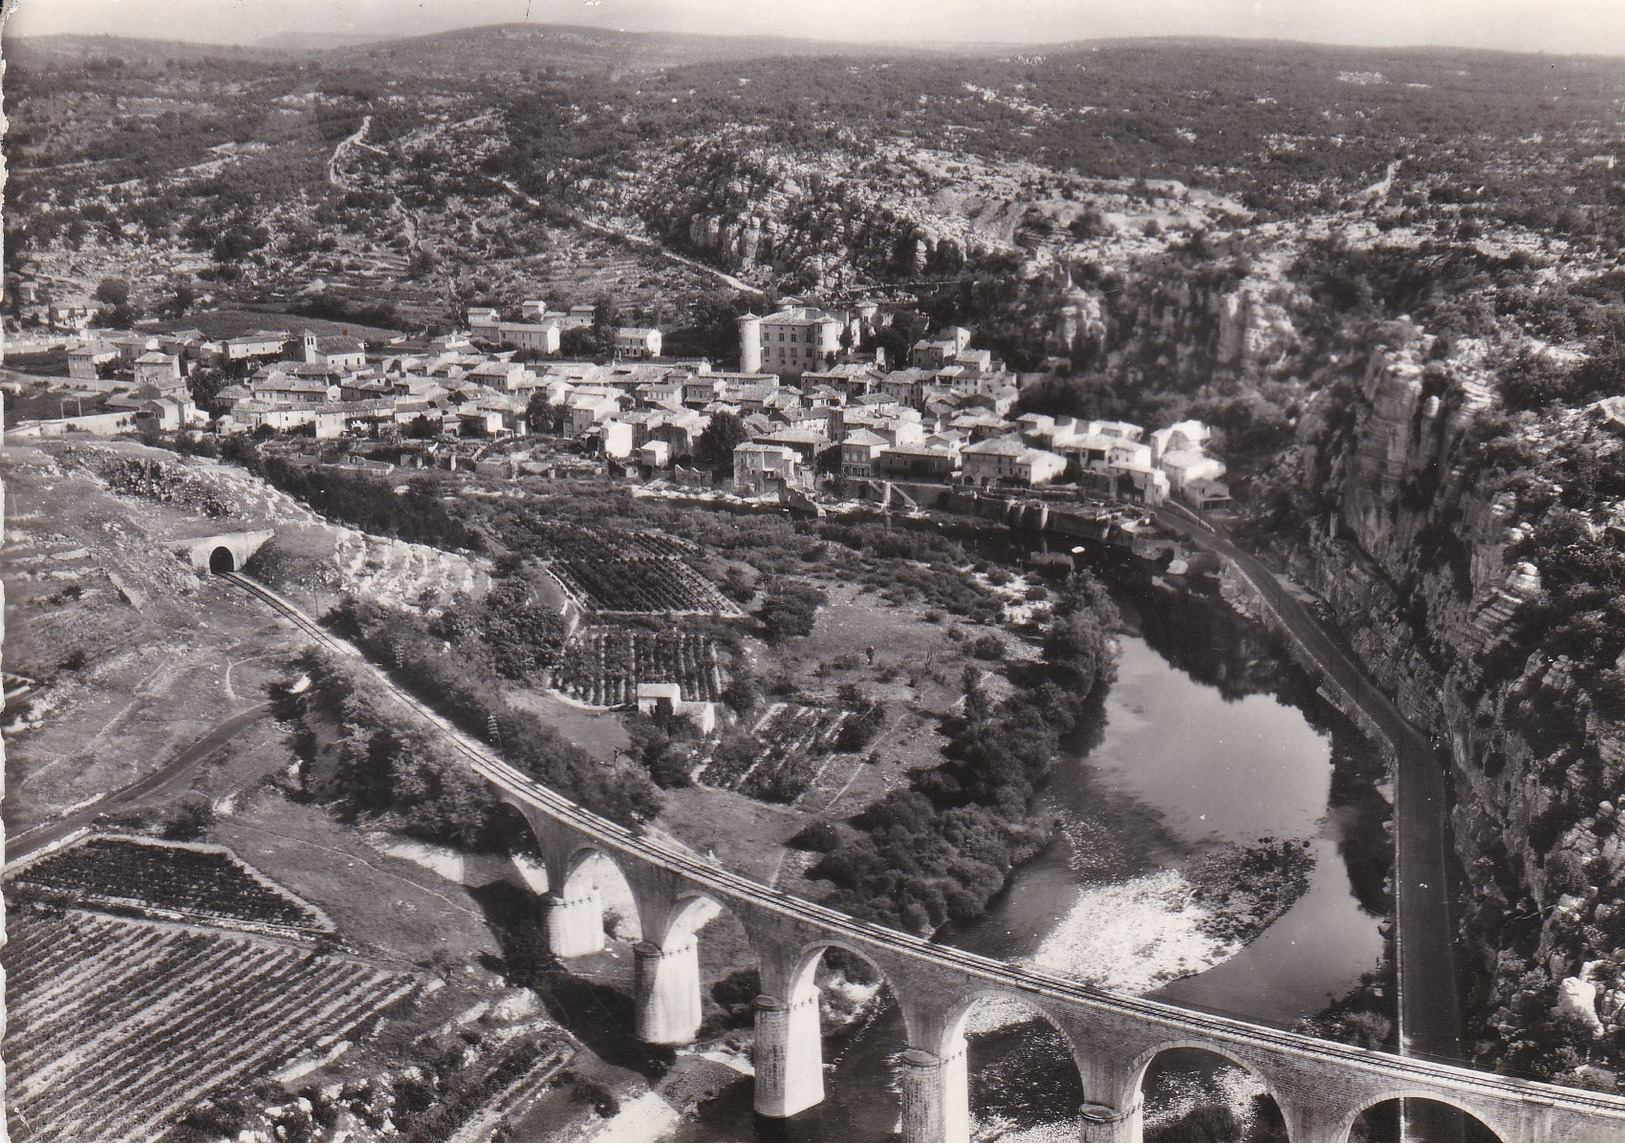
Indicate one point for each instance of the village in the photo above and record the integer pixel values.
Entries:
(813, 411)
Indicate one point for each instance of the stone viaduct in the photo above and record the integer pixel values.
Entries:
(1320, 1087)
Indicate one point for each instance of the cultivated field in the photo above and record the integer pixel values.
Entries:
(603, 665)
(187, 883)
(627, 571)
(115, 1027)
(794, 739)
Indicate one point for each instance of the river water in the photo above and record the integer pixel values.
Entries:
(1208, 734)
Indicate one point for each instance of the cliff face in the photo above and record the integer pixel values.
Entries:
(1408, 543)
(750, 206)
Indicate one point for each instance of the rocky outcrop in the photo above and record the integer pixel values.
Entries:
(1409, 547)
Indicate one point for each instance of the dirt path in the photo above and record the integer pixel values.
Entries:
(344, 145)
(639, 242)
(171, 780)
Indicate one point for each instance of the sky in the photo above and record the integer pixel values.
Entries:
(1556, 26)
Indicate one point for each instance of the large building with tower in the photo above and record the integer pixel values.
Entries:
(790, 341)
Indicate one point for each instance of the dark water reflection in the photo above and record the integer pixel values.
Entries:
(1209, 734)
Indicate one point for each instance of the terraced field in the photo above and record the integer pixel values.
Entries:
(793, 741)
(630, 571)
(115, 1027)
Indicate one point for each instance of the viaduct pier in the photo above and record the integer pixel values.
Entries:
(1320, 1087)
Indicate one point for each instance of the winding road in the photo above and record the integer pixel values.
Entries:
(1429, 1005)
(636, 241)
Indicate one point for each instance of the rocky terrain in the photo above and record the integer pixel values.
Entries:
(1389, 279)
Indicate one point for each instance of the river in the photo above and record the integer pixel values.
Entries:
(1208, 734)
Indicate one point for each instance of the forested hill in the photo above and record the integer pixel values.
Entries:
(471, 53)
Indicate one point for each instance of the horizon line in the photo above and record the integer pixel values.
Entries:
(966, 47)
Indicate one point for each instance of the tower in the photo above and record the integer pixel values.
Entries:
(750, 343)
(311, 354)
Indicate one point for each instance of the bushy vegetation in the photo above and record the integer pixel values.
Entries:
(437, 796)
(418, 514)
(942, 848)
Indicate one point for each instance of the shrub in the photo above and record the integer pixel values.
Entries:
(789, 610)
(189, 818)
(988, 647)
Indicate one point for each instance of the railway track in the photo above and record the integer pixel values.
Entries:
(710, 877)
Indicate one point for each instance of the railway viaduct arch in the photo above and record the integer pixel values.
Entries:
(224, 553)
(1320, 1087)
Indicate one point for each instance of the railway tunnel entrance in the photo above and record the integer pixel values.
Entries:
(222, 553)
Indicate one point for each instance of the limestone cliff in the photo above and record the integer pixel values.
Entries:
(1412, 538)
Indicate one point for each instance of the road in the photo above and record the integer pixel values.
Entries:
(705, 877)
(171, 780)
(344, 145)
(1429, 1003)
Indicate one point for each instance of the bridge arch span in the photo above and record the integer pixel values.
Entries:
(804, 974)
(1132, 1098)
(958, 1018)
(1137, 1069)
(1456, 1103)
(586, 873)
(1038, 1092)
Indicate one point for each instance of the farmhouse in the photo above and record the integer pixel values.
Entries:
(159, 370)
(761, 468)
(483, 322)
(666, 699)
(936, 352)
(928, 463)
(87, 359)
(858, 451)
(259, 344)
(540, 338)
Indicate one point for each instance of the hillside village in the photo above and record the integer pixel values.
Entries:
(814, 409)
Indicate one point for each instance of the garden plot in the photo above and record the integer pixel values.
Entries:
(603, 665)
(116, 1027)
(187, 883)
(627, 571)
(792, 741)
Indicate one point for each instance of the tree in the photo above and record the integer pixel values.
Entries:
(789, 610)
(113, 292)
(190, 818)
(545, 416)
(117, 310)
(578, 342)
(715, 447)
(181, 301)
(206, 383)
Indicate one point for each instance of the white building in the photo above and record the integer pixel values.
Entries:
(637, 342)
(667, 698)
(996, 461)
(542, 338)
(790, 341)
(616, 438)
